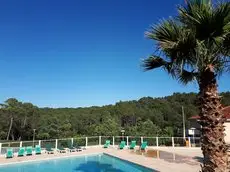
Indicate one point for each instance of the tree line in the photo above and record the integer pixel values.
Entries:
(144, 117)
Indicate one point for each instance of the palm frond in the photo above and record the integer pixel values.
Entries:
(184, 76)
(194, 11)
(153, 62)
(206, 21)
(221, 65)
(198, 37)
(166, 33)
(176, 42)
(221, 20)
(226, 45)
(183, 50)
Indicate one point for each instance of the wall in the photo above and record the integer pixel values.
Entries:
(227, 132)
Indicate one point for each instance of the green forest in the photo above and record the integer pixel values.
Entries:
(147, 117)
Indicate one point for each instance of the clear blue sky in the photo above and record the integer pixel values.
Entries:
(71, 53)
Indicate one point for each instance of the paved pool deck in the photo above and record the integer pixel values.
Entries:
(160, 159)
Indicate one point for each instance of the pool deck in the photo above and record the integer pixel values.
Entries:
(160, 159)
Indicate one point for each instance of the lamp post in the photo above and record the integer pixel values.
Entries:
(34, 136)
(122, 133)
(183, 118)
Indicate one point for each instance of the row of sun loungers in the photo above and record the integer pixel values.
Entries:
(122, 145)
(23, 151)
(37, 150)
(49, 150)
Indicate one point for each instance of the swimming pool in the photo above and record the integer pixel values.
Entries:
(92, 163)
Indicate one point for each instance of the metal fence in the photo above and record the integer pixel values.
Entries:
(100, 141)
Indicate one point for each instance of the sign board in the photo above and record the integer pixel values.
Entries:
(191, 132)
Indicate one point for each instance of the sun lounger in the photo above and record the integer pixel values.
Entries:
(60, 149)
(49, 149)
(78, 148)
(37, 150)
(132, 145)
(29, 150)
(107, 144)
(9, 153)
(143, 145)
(122, 145)
(70, 147)
(21, 151)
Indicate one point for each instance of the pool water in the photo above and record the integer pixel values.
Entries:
(93, 163)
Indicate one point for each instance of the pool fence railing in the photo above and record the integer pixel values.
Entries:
(91, 141)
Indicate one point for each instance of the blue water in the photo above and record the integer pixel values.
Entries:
(95, 163)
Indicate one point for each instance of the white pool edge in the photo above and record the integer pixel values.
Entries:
(50, 158)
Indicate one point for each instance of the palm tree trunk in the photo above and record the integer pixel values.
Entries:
(212, 121)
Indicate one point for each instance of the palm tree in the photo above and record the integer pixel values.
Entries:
(195, 46)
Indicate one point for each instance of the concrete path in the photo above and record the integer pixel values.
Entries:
(161, 159)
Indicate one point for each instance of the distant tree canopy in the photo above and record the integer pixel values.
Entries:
(147, 117)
